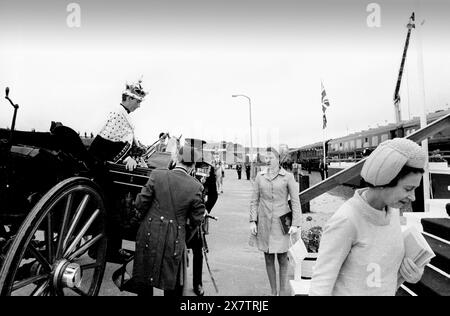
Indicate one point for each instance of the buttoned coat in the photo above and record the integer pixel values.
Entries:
(270, 201)
(160, 241)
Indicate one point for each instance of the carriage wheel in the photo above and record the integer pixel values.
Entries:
(60, 249)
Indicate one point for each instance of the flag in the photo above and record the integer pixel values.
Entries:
(325, 105)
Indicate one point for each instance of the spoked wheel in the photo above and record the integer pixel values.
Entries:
(60, 249)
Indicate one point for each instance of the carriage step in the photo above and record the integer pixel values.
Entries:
(439, 227)
(432, 283)
(442, 252)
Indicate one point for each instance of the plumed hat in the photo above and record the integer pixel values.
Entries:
(135, 90)
(386, 161)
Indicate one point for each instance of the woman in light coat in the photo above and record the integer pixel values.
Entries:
(362, 249)
(271, 190)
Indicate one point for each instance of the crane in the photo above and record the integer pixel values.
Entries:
(410, 26)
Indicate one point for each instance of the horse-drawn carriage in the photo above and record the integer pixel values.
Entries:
(53, 212)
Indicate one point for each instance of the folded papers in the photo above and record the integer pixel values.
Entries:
(416, 247)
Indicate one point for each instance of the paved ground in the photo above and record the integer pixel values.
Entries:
(238, 269)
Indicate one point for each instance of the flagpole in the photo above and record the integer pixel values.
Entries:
(422, 100)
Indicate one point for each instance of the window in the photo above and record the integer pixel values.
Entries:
(352, 144)
(359, 143)
(374, 140)
(384, 137)
(366, 142)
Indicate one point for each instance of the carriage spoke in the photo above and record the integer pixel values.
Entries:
(46, 292)
(90, 266)
(85, 247)
(42, 260)
(39, 290)
(49, 238)
(65, 221)
(29, 281)
(79, 291)
(81, 233)
(77, 216)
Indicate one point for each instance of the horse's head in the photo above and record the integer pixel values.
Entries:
(173, 146)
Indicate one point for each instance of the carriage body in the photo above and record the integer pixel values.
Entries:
(54, 200)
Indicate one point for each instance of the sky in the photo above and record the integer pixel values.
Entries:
(68, 61)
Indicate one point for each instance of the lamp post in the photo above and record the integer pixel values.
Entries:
(251, 138)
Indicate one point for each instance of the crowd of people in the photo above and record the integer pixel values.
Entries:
(365, 232)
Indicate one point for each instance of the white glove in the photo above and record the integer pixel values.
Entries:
(253, 228)
(130, 164)
(410, 271)
(294, 230)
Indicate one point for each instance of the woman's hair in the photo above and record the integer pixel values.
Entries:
(406, 170)
(272, 150)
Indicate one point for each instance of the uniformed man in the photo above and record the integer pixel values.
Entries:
(239, 170)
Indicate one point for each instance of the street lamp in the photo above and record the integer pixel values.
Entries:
(251, 138)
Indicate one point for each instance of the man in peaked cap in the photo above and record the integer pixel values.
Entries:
(210, 196)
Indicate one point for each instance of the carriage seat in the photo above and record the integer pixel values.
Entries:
(69, 142)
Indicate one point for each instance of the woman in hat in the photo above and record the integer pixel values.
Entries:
(361, 251)
(271, 190)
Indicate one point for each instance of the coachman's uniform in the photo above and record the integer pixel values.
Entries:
(196, 243)
(168, 199)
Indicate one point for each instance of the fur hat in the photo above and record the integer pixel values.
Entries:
(386, 161)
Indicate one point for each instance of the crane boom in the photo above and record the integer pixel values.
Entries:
(410, 26)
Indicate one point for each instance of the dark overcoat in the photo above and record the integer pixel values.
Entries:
(160, 241)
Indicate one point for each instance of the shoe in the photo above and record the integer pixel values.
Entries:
(198, 290)
(120, 256)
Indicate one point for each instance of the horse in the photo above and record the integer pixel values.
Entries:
(166, 158)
